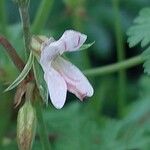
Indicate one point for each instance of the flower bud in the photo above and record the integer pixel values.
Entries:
(26, 126)
(36, 42)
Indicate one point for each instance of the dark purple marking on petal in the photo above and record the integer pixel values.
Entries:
(78, 40)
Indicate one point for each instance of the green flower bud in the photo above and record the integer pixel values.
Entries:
(36, 42)
(26, 126)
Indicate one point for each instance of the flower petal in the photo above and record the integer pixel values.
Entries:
(57, 87)
(50, 52)
(72, 40)
(77, 83)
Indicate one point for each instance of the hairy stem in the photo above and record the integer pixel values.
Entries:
(108, 69)
(12, 53)
(42, 15)
(25, 19)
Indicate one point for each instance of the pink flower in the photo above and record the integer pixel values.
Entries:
(61, 75)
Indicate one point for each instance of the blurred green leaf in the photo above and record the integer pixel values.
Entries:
(72, 129)
(10, 145)
(98, 33)
(140, 32)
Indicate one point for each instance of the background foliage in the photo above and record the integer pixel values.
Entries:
(113, 118)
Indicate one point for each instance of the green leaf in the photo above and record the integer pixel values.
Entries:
(146, 66)
(23, 74)
(73, 127)
(86, 46)
(140, 31)
(41, 84)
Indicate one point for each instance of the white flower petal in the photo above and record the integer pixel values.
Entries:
(50, 52)
(72, 40)
(77, 83)
(57, 87)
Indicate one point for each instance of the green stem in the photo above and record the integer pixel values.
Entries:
(115, 67)
(25, 19)
(3, 22)
(42, 128)
(42, 15)
(121, 56)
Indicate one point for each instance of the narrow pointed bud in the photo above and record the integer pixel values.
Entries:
(26, 126)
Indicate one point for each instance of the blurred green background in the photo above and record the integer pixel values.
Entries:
(117, 117)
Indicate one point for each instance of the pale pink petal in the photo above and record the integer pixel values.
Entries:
(77, 83)
(72, 40)
(57, 87)
(49, 52)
